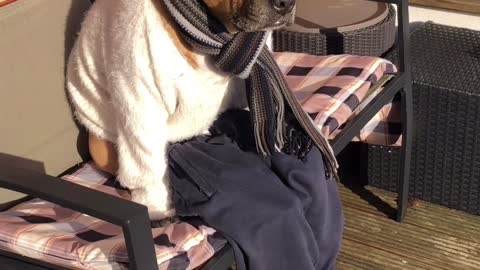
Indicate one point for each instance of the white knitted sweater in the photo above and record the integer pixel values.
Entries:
(130, 85)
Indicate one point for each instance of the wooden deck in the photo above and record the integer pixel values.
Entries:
(431, 238)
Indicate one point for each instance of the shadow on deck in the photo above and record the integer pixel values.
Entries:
(432, 237)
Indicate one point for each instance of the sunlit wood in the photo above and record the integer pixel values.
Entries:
(469, 6)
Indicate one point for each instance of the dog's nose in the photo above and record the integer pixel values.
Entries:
(283, 6)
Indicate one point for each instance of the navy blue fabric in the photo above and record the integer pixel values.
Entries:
(278, 213)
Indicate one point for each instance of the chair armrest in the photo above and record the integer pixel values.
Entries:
(369, 110)
(132, 217)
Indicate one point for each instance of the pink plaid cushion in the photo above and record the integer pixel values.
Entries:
(51, 233)
(332, 88)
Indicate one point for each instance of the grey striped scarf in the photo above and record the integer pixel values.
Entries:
(274, 109)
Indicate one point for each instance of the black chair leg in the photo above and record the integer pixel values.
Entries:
(407, 136)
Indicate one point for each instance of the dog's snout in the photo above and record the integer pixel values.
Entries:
(283, 6)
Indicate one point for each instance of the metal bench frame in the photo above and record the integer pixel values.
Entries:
(402, 83)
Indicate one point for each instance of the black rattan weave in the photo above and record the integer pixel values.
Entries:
(311, 43)
(445, 166)
(372, 41)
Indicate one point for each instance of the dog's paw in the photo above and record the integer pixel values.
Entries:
(158, 202)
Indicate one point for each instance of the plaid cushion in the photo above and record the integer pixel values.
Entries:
(332, 89)
(51, 233)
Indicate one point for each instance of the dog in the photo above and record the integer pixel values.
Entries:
(137, 86)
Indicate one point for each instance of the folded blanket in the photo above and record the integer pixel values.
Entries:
(332, 88)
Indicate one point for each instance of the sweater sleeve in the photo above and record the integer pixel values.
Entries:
(142, 117)
(142, 139)
(137, 95)
(143, 92)
(86, 86)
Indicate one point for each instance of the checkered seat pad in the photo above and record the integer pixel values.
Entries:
(334, 88)
(51, 233)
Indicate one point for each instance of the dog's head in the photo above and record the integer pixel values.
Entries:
(252, 15)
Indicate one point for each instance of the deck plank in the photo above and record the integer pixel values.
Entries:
(432, 236)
